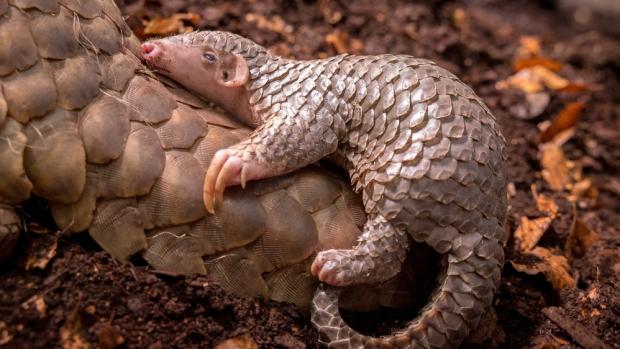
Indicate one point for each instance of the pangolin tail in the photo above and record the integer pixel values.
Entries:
(465, 290)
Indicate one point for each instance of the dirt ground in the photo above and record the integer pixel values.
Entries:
(554, 88)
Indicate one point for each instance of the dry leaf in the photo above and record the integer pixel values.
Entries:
(42, 250)
(170, 25)
(109, 337)
(330, 15)
(548, 341)
(577, 87)
(241, 342)
(5, 336)
(460, 20)
(565, 119)
(529, 46)
(38, 303)
(545, 204)
(274, 24)
(548, 63)
(342, 43)
(535, 79)
(579, 240)
(555, 268)
(557, 170)
(70, 333)
(530, 230)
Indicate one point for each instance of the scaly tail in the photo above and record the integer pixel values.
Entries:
(465, 291)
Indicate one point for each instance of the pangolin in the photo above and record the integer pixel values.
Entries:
(423, 149)
(86, 127)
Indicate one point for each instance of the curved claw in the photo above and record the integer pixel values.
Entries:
(227, 168)
(213, 171)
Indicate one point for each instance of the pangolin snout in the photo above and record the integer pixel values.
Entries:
(151, 52)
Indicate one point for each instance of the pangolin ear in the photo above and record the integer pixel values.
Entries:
(232, 70)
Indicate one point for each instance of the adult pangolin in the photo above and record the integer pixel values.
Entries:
(423, 149)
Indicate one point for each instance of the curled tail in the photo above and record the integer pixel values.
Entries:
(465, 291)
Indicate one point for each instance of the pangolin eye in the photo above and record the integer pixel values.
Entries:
(209, 57)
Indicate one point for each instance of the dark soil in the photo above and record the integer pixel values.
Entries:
(83, 297)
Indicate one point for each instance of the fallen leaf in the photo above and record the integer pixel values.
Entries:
(41, 251)
(70, 333)
(584, 189)
(38, 303)
(460, 20)
(171, 25)
(548, 63)
(545, 204)
(524, 80)
(529, 231)
(557, 170)
(548, 341)
(342, 43)
(529, 46)
(109, 337)
(565, 119)
(5, 336)
(536, 79)
(580, 239)
(330, 15)
(576, 87)
(275, 24)
(241, 342)
(554, 267)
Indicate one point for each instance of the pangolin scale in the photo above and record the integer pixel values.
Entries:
(423, 149)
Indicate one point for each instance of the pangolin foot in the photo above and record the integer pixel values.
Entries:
(336, 267)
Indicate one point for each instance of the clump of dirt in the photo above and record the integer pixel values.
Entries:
(85, 296)
(564, 295)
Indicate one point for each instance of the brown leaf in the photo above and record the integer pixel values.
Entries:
(70, 333)
(530, 230)
(548, 341)
(275, 24)
(5, 336)
(41, 251)
(241, 342)
(171, 25)
(565, 119)
(536, 79)
(577, 87)
(330, 15)
(554, 267)
(545, 204)
(109, 337)
(38, 303)
(342, 43)
(529, 46)
(580, 239)
(460, 19)
(548, 63)
(557, 170)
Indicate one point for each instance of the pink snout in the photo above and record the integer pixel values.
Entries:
(151, 52)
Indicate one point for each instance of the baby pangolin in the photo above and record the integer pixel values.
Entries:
(423, 149)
